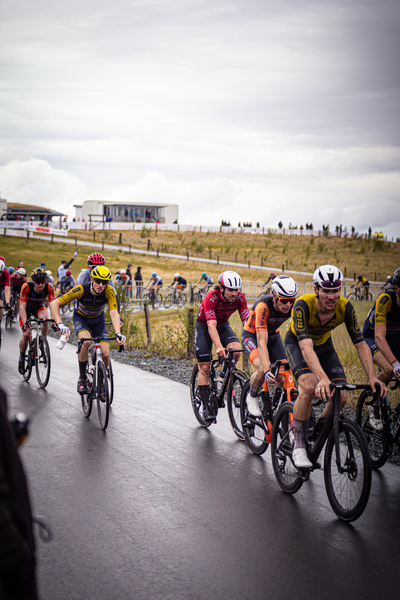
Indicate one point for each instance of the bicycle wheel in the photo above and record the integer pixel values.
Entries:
(86, 399)
(369, 296)
(168, 300)
(145, 299)
(29, 360)
(253, 429)
(42, 363)
(64, 308)
(110, 376)
(233, 398)
(197, 404)
(9, 319)
(379, 444)
(158, 300)
(348, 491)
(282, 441)
(352, 296)
(103, 404)
(182, 300)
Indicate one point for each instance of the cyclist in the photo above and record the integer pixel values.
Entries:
(261, 338)
(89, 318)
(382, 334)
(64, 266)
(50, 277)
(389, 285)
(311, 354)
(67, 282)
(180, 284)
(17, 280)
(5, 295)
(212, 327)
(270, 278)
(155, 282)
(121, 278)
(93, 260)
(36, 295)
(208, 282)
(363, 283)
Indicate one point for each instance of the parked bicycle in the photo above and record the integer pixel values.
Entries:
(100, 383)
(12, 313)
(347, 464)
(257, 430)
(38, 353)
(174, 298)
(380, 443)
(225, 377)
(359, 294)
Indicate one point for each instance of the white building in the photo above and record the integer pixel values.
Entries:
(126, 212)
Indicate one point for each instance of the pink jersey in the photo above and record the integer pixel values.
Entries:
(214, 308)
(5, 279)
(17, 281)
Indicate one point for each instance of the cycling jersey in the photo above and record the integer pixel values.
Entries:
(214, 308)
(90, 305)
(364, 281)
(34, 300)
(67, 281)
(83, 277)
(4, 279)
(180, 281)
(305, 322)
(264, 317)
(17, 281)
(156, 282)
(384, 312)
(207, 279)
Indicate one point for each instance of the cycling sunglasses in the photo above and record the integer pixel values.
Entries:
(287, 300)
(100, 281)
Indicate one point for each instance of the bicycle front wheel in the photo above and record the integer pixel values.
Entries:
(168, 300)
(253, 429)
(9, 319)
(110, 377)
(348, 490)
(103, 405)
(28, 363)
(233, 398)
(197, 404)
(86, 399)
(379, 442)
(282, 442)
(352, 296)
(42, 363)
(182, 300)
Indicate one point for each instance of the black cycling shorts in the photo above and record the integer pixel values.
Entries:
(203, 343)
(95, 325)
(276, 349)
(327, 357)
(393, 343)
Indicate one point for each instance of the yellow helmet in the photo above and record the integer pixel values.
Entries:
(101, 273)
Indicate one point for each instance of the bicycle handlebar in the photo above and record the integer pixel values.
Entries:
(36, 320)
(96, 340)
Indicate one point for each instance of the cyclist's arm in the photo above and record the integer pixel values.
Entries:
(55, 310)
(312, 360)
(364, 354)
(7, 294)
(22, 311)
(216, 340)
(114, 316)
(262, 341)
(381, 342)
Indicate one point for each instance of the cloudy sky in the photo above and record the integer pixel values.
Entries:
(233, 109)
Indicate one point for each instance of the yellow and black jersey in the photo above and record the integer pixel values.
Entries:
(305, 322)
(90, 305)
(386, 312)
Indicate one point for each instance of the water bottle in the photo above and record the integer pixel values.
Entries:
(62, 341)
(91, 374)
(220, 382)
(396, 413)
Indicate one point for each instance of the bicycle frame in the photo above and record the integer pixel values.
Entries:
(392, 430)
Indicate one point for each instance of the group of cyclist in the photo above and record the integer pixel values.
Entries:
(307, 345)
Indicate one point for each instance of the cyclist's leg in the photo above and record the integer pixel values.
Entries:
(23, 344)
(332, 366)
(249, 342)
(82, 330)
(43, 313)
(385, 367)
(203, 347)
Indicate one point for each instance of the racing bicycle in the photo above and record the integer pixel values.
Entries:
(38, 353)
(11, 314)
(347, 464)
(380, 443)
(359, 294)
(174, 298)
(225, 378)
(152, 298)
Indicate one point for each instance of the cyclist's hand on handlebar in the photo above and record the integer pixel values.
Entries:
(63, 329)
(322, 390)
(396, 369)
(269, 377)
(25, 327)
(120, 338)
(220, 350)
(383, 388)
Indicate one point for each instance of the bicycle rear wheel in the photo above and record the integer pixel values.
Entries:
(348, 492)
(197, 404)
(42, 363)
(233, 398)
(103, 404)
(110, 377)
(253, 429)
(352, 296)
(282, 441)
(379, 442)
(29, 360)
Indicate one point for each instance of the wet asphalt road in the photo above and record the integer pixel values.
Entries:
(157, 507)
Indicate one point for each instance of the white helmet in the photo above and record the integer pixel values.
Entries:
(21, 271)
(2, 266)
(284, 287)
(176, 275)
(122, 272)
(328, 277)
(230, 280)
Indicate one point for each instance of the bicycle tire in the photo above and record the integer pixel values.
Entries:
(168, 301)
(43, 361)
(233, 399)
(352, 296)
(282, 441)
(145, 299)
(379, 445)
(103, 404)
(348, 492)
(86, 399)
(9, 319)
(182, 300)
(253, 429)
(110, 376)
(196, 402)
(28, 363)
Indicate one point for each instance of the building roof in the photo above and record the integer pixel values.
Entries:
(14, 208)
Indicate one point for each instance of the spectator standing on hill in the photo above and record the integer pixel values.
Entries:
(138, 282)
(62, 269)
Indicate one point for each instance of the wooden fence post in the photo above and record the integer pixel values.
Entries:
(190, 330)
(147, 320)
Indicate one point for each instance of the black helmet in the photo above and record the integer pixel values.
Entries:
(38, 275)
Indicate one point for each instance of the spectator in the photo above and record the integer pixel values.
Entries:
(369, 233)
(280, 224)
(138, 282)
(17, 547)
(62, 269)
